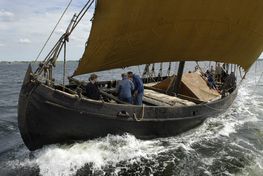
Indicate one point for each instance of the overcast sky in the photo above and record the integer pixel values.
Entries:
(26, 24)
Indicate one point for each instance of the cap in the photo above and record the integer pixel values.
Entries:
(93, 76)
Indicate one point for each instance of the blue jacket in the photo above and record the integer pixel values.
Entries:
(125, 88)
(138, 84)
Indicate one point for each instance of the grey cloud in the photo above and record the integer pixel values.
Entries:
(6, 16)
(24, 41)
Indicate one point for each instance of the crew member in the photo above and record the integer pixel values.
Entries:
(218, 72)
(210, 80)
(92, 89)
(230, 83)
(124, 89)
(138, 88)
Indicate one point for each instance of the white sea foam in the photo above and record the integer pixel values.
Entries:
(66, 160)
(228, 129)
(240, 112)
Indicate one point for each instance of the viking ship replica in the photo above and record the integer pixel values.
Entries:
(134, 32)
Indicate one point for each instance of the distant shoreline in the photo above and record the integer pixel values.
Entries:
(27, 62)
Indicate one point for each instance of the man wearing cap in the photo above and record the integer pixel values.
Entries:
(92, 89)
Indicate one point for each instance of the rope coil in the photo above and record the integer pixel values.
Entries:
(142, 115)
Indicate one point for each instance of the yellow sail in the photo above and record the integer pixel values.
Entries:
(133, 32)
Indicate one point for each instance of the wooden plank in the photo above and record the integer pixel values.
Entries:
(112, 97)
(154, 102)
(167, 99)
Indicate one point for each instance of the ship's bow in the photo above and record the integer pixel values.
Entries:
(24, 96)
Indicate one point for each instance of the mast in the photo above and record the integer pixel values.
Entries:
(160, 70)
(175, 85)
(49, 62)
(146, 71)
(169, 69)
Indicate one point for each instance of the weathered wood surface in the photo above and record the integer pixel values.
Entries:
(166, 99)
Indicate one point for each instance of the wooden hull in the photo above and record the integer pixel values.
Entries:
(47, 116)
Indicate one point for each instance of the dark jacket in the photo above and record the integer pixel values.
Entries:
(92, 91)
(138, 84)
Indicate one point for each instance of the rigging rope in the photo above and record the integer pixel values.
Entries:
(52, 56)
(197, 63)
(176, 68)
(153, 70)
(64, 64)
(238, 86)
(82, 13)
(139, 70)
(53, 30)
(146, 70)
(160, 70)
(256, 73)
(169, 69)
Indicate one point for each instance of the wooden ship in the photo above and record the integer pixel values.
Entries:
(133, 32)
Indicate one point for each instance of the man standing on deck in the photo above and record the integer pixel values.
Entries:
(125, 88)
(138, 88)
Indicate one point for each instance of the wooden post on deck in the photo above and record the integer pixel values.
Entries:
(174, 87)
